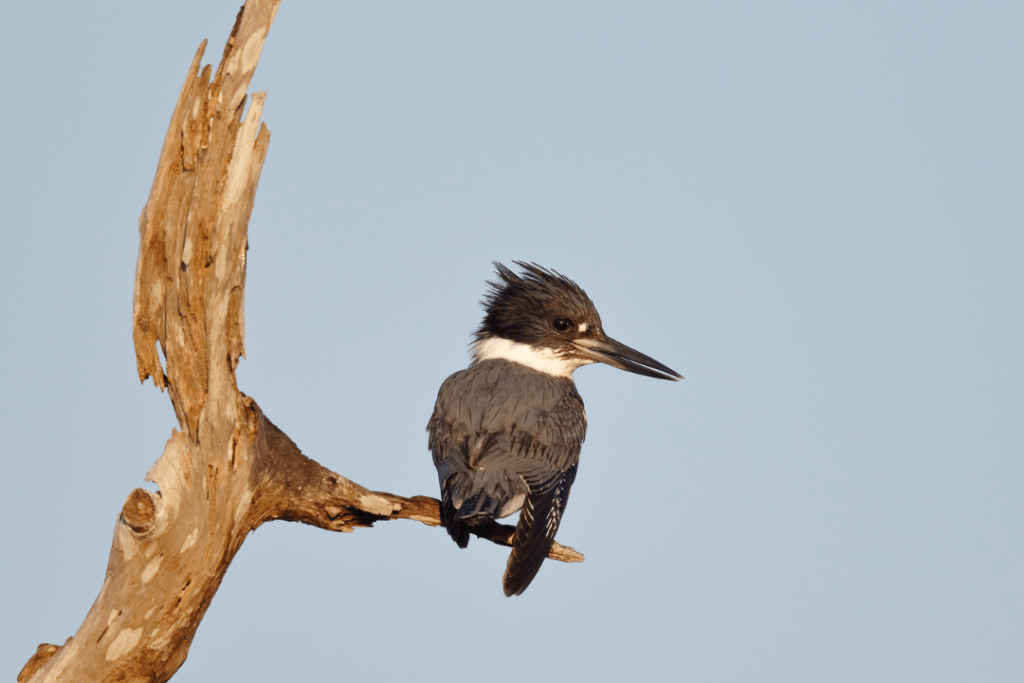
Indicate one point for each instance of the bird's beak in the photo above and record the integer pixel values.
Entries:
(618, 355)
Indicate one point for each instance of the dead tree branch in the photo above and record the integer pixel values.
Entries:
(229, 469)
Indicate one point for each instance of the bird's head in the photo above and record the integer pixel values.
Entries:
(542, 319)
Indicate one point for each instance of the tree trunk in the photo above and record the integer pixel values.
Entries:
(229, 469)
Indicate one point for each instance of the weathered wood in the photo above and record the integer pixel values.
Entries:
(228, 469)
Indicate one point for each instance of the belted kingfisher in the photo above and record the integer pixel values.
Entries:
(506, 432)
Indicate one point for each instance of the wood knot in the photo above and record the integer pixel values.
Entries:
(139, 512)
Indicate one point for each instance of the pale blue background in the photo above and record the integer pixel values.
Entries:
(812, 210)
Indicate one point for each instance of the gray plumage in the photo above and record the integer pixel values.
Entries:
(496, 452)
(506, 432)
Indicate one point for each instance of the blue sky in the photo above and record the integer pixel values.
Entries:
(811, 210)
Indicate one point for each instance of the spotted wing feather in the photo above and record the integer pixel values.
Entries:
(538, 524)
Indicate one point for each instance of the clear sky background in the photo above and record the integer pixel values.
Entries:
(811, 210)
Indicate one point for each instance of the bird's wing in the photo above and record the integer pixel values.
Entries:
(458, 531)
(538, 524)
(497, 429)
(483, 419)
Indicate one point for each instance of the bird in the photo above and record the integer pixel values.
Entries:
(506, 432)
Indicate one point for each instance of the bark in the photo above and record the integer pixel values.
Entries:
(227, 469)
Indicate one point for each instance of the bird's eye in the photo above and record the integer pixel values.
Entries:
(561, 324)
